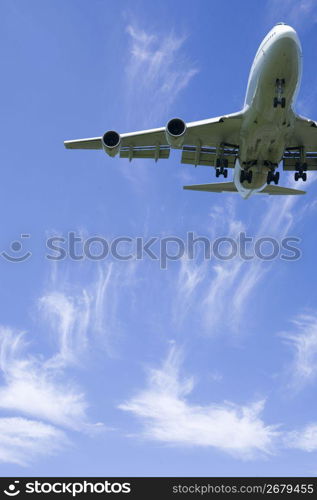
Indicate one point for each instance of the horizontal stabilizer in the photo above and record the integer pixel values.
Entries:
(229, 187)
(280, 190)
(218, 187)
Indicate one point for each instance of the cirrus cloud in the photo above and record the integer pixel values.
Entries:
(167, 415)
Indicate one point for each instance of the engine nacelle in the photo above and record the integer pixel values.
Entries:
(111, 142)
(175, 132)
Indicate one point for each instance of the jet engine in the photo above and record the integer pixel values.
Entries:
(111, 142)
(175, 132)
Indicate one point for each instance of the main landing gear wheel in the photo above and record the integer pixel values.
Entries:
(301, 172)
(299, 175)
(221, 169)
(246, 176)
(271, 177)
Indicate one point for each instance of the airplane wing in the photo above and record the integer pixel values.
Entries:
(304, 136)
(91, 143)
(305, 133)
(202, 140)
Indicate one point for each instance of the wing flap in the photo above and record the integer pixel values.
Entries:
(291, 158)
(207, 156)
(155, 152)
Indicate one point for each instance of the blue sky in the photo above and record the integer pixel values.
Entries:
(121, 368)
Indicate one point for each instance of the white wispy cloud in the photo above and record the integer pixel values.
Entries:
(79, 315)
(205, 285)
(38, 386)
(304, 439)
(23, 440)
(303, 341)
(158, 70)
(279, 217)
(68, 316)
(33, 387)
(107, 292)
(188, 282)
(167, 415)
(210, 286)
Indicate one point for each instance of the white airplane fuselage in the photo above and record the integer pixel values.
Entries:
(265, 128)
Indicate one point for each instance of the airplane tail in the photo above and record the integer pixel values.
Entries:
(229, 187)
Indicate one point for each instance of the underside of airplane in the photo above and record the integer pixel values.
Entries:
(254, 142)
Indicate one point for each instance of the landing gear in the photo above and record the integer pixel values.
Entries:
(246, 176)
(301, 172)
(273, 177)
(276, 102)
(222, 171)
(279, 91)
(221, 167)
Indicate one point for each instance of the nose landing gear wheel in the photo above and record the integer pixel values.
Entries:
(279, 91)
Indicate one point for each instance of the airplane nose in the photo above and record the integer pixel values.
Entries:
(286, 32)
(284, 44)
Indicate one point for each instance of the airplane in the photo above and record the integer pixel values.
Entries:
(253, 141)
